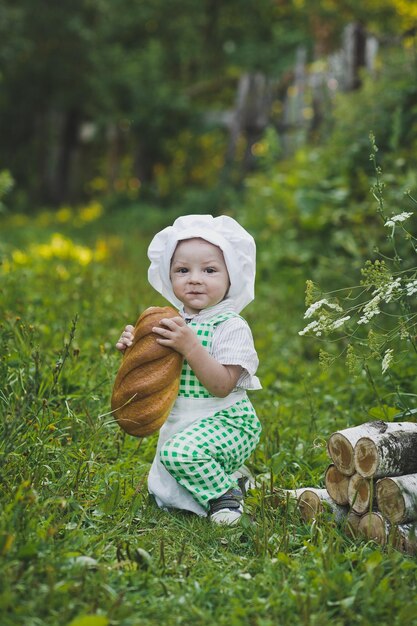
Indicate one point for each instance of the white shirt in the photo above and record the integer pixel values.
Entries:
(232, 343)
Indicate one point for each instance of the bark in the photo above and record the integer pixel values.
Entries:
(360, 493)
(68, 144)
(250, 116)
(312, 501)
(397, 498)
(341, 444)
(355, 54)
(392, 453)
(337, 485)
(403, 537)
(280, 496)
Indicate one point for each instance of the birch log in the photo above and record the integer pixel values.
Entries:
(337, 485)
(373, 526)
(312, 502)
(406, 538)
(351, 524)
(392, 453)
(397, 498)
(341, 444)
(402, 536)
(280, 496)
(360, 493)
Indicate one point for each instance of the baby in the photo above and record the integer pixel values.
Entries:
(205, 266)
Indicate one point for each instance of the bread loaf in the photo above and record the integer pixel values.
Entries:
(147, 382)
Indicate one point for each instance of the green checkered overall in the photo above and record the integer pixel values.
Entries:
(202, 457)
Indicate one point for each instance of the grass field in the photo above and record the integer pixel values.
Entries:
(81, 542)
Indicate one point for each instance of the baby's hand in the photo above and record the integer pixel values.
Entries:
(126, 338)
(175, 333)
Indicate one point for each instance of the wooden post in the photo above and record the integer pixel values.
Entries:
(360, 493)
(337, 485)
(397, 498)
(392, 453)
(341, 444)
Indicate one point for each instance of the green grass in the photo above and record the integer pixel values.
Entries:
(81, 542)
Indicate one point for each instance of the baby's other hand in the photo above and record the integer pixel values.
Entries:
(126, 338)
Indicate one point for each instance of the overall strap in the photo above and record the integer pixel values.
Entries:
(190, 386)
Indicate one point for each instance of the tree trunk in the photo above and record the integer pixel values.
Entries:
(312, 502)
(341, 444)
(68, 143)
(337, 485)
(392, 453)
(250, 116)
(397, 498)
(403, 536)
(355, 54)
(360, 493)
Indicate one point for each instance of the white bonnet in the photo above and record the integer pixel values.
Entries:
(237, 245)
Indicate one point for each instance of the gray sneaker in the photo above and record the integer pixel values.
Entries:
(228, 508)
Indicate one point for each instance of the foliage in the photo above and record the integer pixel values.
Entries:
(81, 541)
(376, 319)
(114, 86)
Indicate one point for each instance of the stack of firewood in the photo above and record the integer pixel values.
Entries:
(371, 484)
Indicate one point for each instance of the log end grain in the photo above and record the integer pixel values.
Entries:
(390, 500)
(337, 485)
(373, 526)
(341, 452)
(366, 457)
(309, 504)
(351, 524)
(359, 493)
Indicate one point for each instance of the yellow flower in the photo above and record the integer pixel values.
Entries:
(91, 212)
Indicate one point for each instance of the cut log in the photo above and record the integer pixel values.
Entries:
(402, 536)
(280, 496)
(392, 453)
(373, 526)
(351, 524)
(341, 444)
(360, 494)
(406, 538)
(397, 498)
(337, 485)
(312, 502)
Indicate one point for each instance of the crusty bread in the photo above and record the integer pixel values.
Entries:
(147, 382)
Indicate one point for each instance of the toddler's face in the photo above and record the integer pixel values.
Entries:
(198, 274)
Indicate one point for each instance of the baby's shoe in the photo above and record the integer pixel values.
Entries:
(228, 508)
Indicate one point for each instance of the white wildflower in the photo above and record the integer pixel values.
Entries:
(320, 303)
(370, 309)
(313, 326)
(386, 361)
(387, 292)
(411, 288)
(400, 217)
(338, 323)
